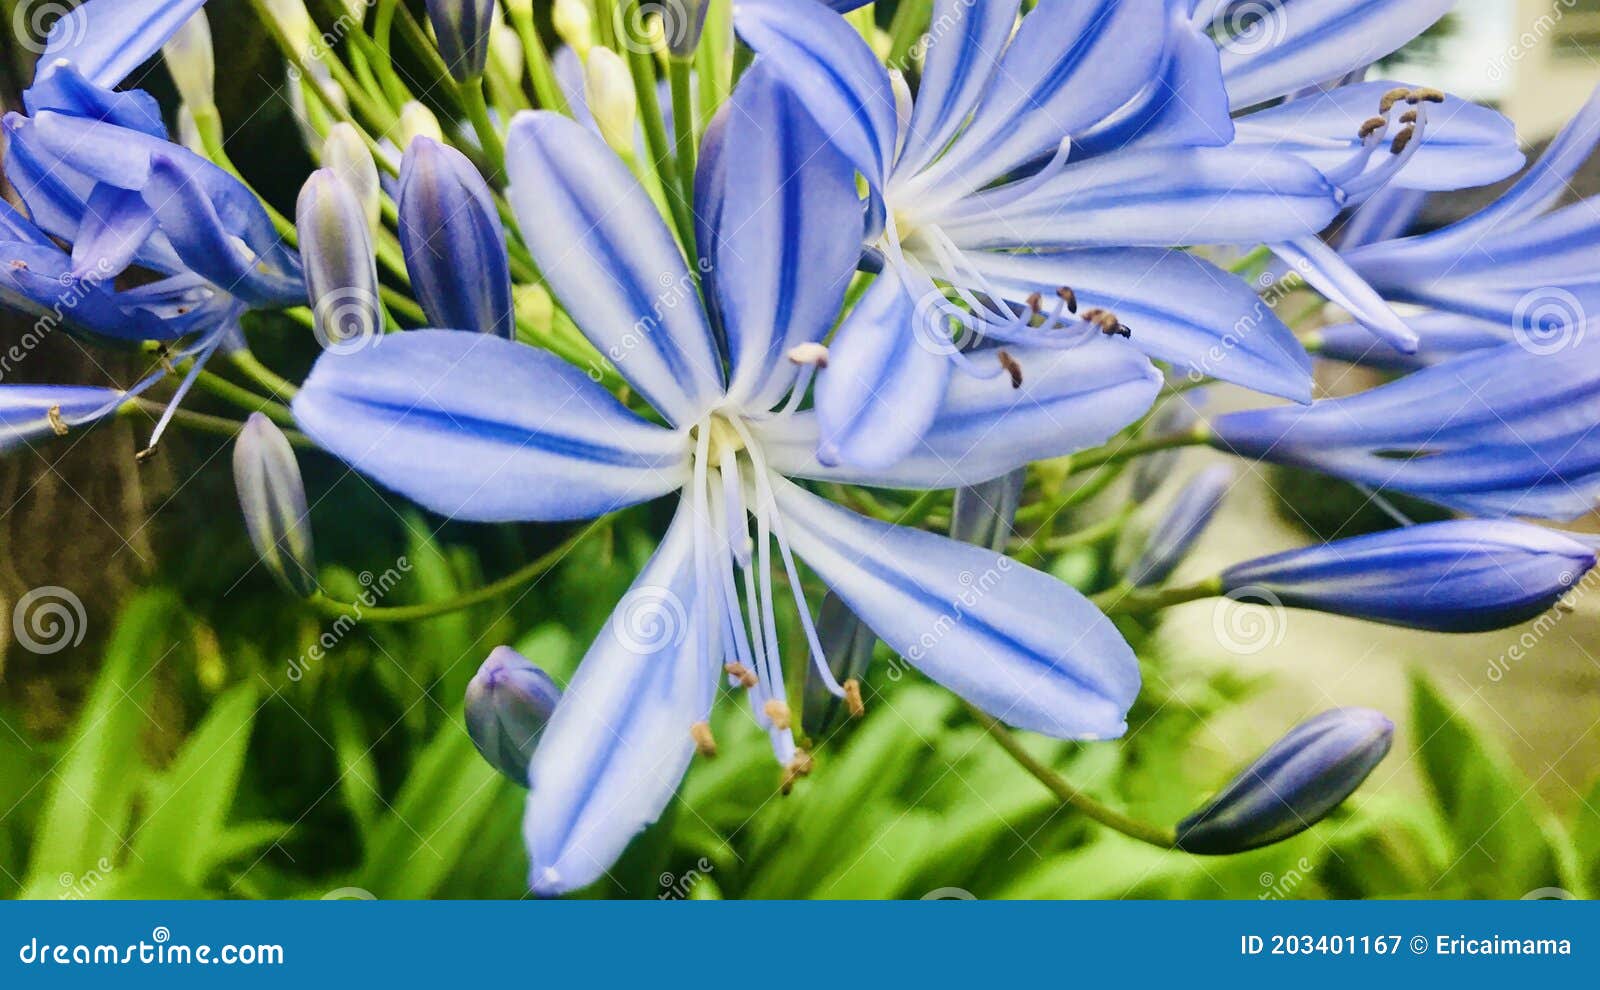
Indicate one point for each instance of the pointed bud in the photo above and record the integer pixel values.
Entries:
(341, 270)
(535, 309)
(1185, 521)
(847, 644)
(505, 47)
(292, 18)
(984, 514)
(608, 88)
(574, 25)
(416, 120)
(1467, 575)
(274, 502)
(509, 701)
(462, 30)
(1294, 785)
(448, 227)
(192, 63)
(1177, 417)
(41, 412)
(348, 155)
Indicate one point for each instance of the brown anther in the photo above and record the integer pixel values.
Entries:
(1069, 297)
(1402, 139)
(1425, 95)
(1371, 127)
(800, 766)
(704, 742)
(852, 698)
(145, 454)
(20, 265)
(739, 672)
(1565, 607)
(1391, 98)
(1107, 322)
(1035, 304)
(1409, 117)
(1013, 368)
(56, 422)
(812, 353)
(778, 714)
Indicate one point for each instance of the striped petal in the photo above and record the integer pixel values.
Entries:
(107, 39)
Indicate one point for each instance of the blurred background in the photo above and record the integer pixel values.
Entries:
(172, 725)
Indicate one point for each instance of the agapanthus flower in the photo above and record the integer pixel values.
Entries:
(1182, 525)
(1505, 431)
(476, 427)
(988, 223)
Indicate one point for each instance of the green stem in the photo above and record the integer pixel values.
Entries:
(281, 388)
(1133, 450)
(655, 139)
(540, 70)
(429, 610)
(1125, 599)
(910, 21)
(477, 109)
(203, 423)
(683, 121)
(244, 398)
(1070, 796)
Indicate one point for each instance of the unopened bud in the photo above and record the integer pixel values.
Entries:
(574, 24)
(454, 243)
(609, 90)
(295, 22)
(1182, 526)
(348, 155)
(509, 701)
(341, 270)
(192, 63)
(417, 121)
(273, 499)
(462, 30)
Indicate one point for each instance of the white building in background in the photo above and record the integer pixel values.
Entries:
(1549, 63)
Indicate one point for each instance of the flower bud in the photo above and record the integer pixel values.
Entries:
(274, 502)
(574, 25)
(1468, 575)
(295, 22)
(1293, 785)
(1172, 539)
(984, 514)
(341, 270)
(416, 120)
(454, 243)
(682, 23)
(505, 48)
(192, 63)
(1178, 416)
(508, 703)
(189, 131)
(347, 154)
(608, 89)
(462, 30)
(535, 309)
(847, 644)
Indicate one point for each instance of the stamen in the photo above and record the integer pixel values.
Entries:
(1402, 139)
(1012, 367)
(1391, 98)
(1107, 323)
(778, 713)
(1372, 126)
(178, 396)
(809, 354)
(800, 766)
(1409, 117)
(704, 742)
(56, 422)
(852, 698)
(1070, 298)
(739, 672)
(1426, 94)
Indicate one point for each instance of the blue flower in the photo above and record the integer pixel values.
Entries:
(1182, 526)
(1459, 576)
(508, 703)
(31, 412)
(981, 166)
(479, 428)
(1502, 432)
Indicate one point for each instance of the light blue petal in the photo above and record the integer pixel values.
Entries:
(1180, 309)
(611, 261)
(833, 72)
(1464, 145)
(108, 39)
(1057, 80)
(619, 742)
(1328, 273)
(1441, 336)
(883, 384)
(40, 280)
(64, 89)
(1389, 213)
(1547, 181)
(1151, 197)
(116, 226)
(961, 59)
(778, 205)
(481, 429)
(25, 410)
(1297, 43)
(1017, 643)
(1070, 400)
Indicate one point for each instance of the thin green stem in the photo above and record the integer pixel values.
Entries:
(910, 21)
(642, 69)
(1069, 795)
(334, 608)
(220, 426)
(280, 387)
(1124, 599)
(679, 71)
(244, 398)
(477, 109)
(540, 69)
(1132, 451)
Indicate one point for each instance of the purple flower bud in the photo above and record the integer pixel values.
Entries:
(509, 701)
(1293, 785)
(274, 502)
(1172, 539)
(448, 229)
(1460, 576)
(984, 514)
(462, 28)
(341, 269)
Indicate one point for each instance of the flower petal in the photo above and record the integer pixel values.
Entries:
(619, 741)
(776, 233)
(611, 261)
(108, 39)
(1017, 643)
(960, 61)
(1328, 273)
(1069, 400)
(25, 410)
(479, 428)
